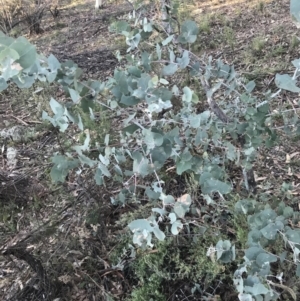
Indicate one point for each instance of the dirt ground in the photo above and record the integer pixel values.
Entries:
(71, 232)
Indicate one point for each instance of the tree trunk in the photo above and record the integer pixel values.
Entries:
(98, 4)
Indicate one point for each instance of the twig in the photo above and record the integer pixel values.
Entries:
(23, 122)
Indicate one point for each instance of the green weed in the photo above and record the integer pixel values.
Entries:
(294, 42)
(261, 6)
(229, 37)
(204, 25)
(258, 44)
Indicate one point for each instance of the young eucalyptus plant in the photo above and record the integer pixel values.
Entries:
(218, 122)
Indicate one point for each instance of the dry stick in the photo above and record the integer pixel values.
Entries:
(98, 29)
(248, 174)
(213, 105)
(17, 118)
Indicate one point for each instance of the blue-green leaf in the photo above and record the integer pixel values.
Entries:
(129, 100)
(167, 40)
(172, 217)
(98, 177)
(231, 152)
(195, 121)
(86, 160)
(152, 194)
(189, 31)
(161, 211)
(62, 166)
(130, 129)
(147, 27)
(270, 231)
(152, 139)
(146, 61)
(245, 206)
(245, 297)
(158, 51)
(182, 166)
(286, 82)
(158, 233)
(26, 52)
(250, 86)
(9, 53)
(104, 169)
(24, 81)
(85, 146)
(176, 226)
(265, 258)
(53, 63)
(201, 137)
(184, 61)
(179, 210)
(74, 95)
(140, 224)
(257, 289)
(187, 94)
(296, 62)
(298, 270)
(213, 185)
(252, 252)
(3, 84)
(295, 12)
(141, 167)
(167, 199)
(169, 69)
